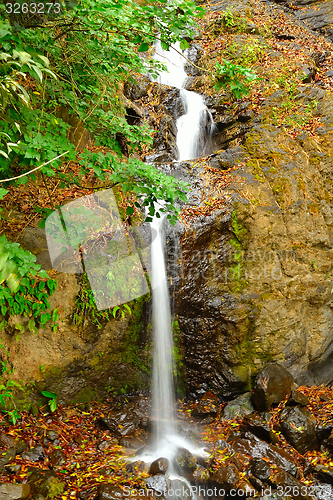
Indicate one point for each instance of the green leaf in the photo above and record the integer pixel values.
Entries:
(184, 44)
(129, 211)
(144, 47)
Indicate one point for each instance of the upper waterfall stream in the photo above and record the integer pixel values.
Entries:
(195, 126)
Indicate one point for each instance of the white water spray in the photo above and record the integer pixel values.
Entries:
(194, 127)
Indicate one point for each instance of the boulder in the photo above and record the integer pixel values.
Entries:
(259, 426)
(14, 491)
(159, 466)
(184, 463)
(260, 468)
(227, 476)
(45, 482)
(35, 454)
(108, 491)
(297, 398)
(205, 408)
(299, 428)
(238, 407)
(272, 385)
(248, 444)
(123, 421)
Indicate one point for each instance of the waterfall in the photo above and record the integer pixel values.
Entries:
(163, 362)
(194, 127)
(192, 131)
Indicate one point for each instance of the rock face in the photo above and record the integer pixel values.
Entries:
(78, 362)
(255, 280)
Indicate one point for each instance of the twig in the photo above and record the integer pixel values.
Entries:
(34, 169)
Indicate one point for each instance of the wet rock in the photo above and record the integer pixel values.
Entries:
(52, 435)
(6, 441)
(108, 491)
(324, 474)
(239, 407)
(289, 483)
(159, 466)
(35, 454)
(323, 431)
(299, 428)
(14, 491)
(107, 443)
(257, 483)
(123, 421)
(5, 459)
(135, 467)
(45, 482)
(258, 426)
(157, 483)
(260, 468)
(226, 159)
(272, 385)
(13, 468)
(205, 408)
(184, 463)
(248, 444)
(131, 443)
(297, 398)
(227, 476)
(57, 457)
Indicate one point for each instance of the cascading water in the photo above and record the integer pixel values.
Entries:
(192, 131)
(195, 126)
(163, 386)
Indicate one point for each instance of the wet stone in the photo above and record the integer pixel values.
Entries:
(184, 463)
(260, 468)
(131, 443)
(258, 426)
(248, 444)
(297, 398)
(45, 482)
(109, 492)
(227, 476)
(136, 467)
(159, 466)
(323, 431)
(239, 407)
(35, 454)
(56, 458)
(272, 385)
(52, 435)
(299, 428)
(14, 491)
(325, 474)
(205, 408)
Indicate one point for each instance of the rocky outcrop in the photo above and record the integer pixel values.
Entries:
(256, 277)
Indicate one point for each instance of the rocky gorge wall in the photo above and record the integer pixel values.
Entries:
(254, 277)
(250, 265)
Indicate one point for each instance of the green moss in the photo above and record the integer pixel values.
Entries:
(84, 396)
